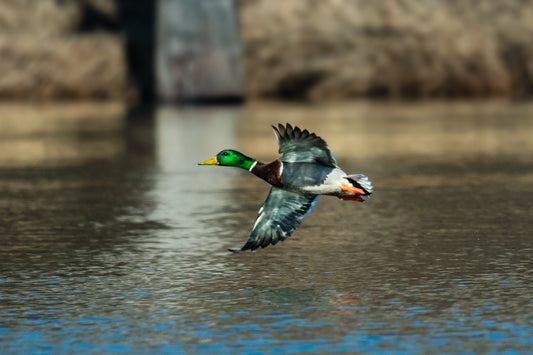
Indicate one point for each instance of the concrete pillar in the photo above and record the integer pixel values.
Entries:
(198, 51)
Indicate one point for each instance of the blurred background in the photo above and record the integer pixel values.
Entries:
(315, 50)
(114, 240)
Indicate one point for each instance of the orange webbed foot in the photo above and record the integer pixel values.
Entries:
(351, 198)
(356, 190)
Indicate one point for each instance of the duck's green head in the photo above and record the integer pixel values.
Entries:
(230, 157)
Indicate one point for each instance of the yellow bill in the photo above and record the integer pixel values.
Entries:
(212, 161)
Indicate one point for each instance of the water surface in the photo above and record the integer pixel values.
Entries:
(114, 240)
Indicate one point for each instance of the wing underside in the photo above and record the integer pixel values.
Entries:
(279, 216)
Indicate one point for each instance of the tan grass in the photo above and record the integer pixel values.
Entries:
(44, 56)
(63, 67)
(404, 48)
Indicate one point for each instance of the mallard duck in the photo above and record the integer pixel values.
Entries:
(306, 170)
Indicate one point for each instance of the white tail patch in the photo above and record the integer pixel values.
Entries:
(362, 180)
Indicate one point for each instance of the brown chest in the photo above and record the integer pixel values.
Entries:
(270, 172)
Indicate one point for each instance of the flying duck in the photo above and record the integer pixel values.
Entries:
(306, 170)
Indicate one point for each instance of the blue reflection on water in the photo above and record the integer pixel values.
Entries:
(263, 332)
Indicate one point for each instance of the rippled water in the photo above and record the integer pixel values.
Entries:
(114, 240)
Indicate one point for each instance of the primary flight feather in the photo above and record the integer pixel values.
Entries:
(306, 170)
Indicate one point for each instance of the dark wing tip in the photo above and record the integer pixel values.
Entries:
(287, 131)
(249, 245)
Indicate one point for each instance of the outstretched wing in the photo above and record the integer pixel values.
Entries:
(279, 216)
(299, 146)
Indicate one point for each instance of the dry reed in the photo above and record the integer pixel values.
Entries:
(405, 48)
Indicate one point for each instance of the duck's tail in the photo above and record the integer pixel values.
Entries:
(361, 181)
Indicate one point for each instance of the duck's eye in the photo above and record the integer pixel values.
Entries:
(225, 153)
